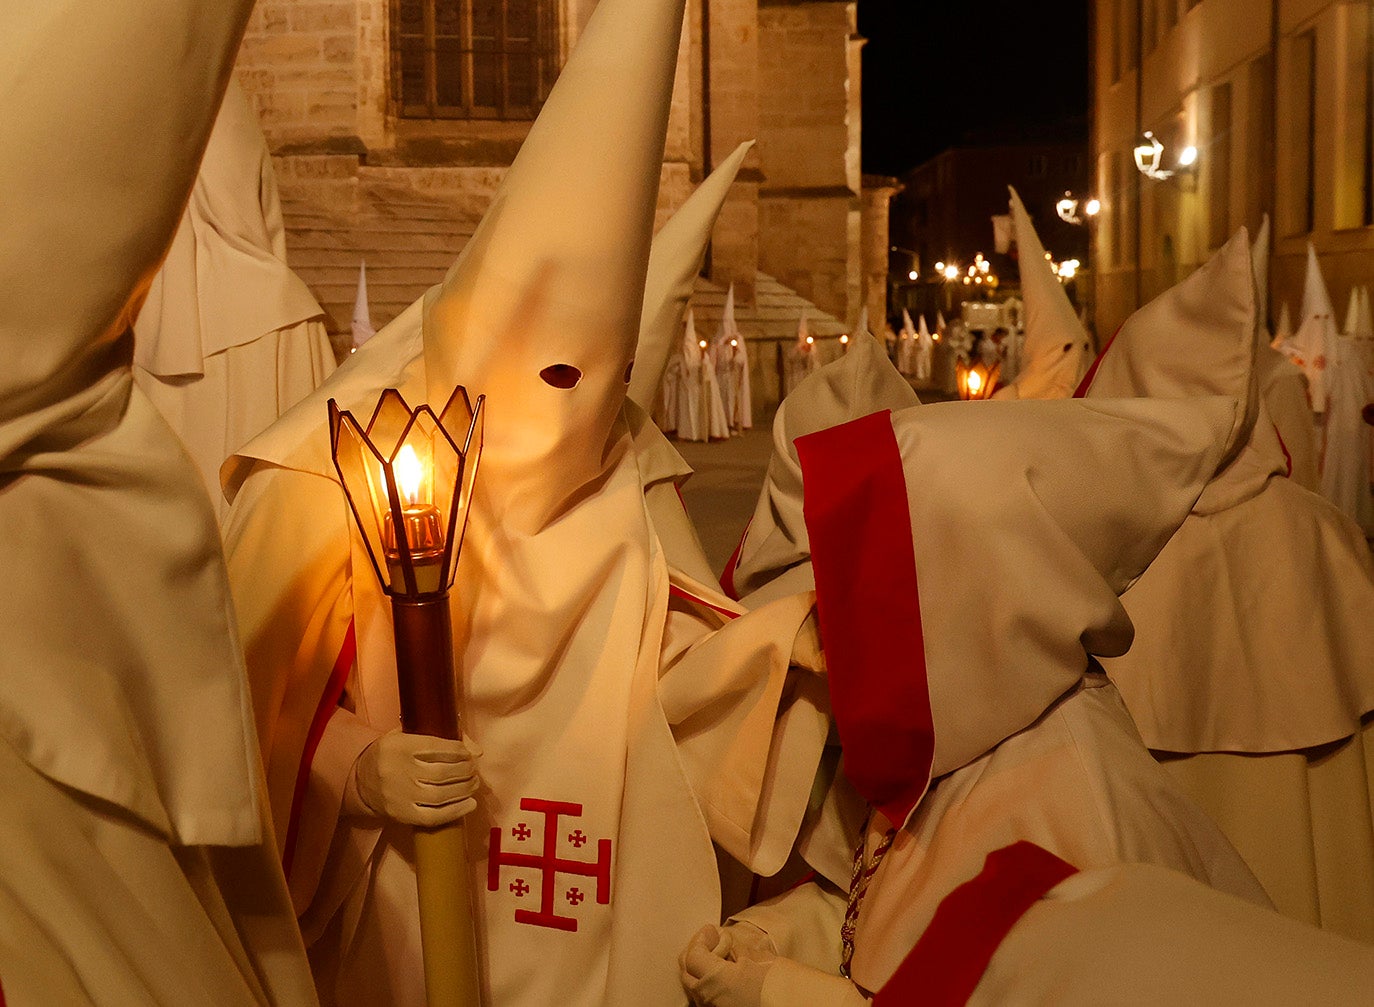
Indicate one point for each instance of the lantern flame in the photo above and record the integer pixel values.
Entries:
(975, 382)
(410, 475)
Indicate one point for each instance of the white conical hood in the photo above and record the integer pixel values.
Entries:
(940, 324)
(908, 326)
(1259, 264)
(1364, 325)
(803, 333)
(728, 325)
(122, 678)
(1283, 327)
(861, 328)
(691, 345)
(541, 312)
(1056, 347)
(1195, 340)
(923, 334)
(1313, 346)
(1315, 298)
(362, 315)
(674, 263)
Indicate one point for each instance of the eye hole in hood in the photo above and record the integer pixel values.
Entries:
(629, 371)
(563, 376)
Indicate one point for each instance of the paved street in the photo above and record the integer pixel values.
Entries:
(722, 493)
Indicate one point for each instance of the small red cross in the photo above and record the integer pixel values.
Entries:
(521, 832)
(578, 839)
(519, 887)
(575, 896)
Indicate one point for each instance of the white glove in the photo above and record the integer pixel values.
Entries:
(415, 779)
(718, 971)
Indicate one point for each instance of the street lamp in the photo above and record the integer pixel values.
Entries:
(409, 486)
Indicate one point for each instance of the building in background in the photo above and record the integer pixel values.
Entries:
(392, 123)
(1274, 98)
(944, 213)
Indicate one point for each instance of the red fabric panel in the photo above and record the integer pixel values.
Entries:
(870, 614)
(329, 702)
(948, 962)
(1087, 382)
(1287, 458)
(685, 595)
(727, 578)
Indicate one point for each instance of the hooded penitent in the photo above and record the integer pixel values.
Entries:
(593, 674)
(967, 707)
(1253, 633)
(1056, 348)
(732, 367)
(1313, 346)
(906, 345)
(229, 337)
(136, 870)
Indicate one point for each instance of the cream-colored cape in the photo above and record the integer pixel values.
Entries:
(137, 864)
(229, 338)
(591, 671)
(1022, 743)
(1282, 384)
(1253, 627)
(1056, 349)
(1136, 933)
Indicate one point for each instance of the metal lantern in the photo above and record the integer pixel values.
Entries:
(977, 380)
(409, 476)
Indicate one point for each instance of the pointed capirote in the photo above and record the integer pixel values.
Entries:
(923, 333)
(861, 326)
(1259, 261)
(908, 326)
(362, 314)
(1316, 300)
(1195, 340)
(541, 312)
(803, 331)
(1283, 327)
(1053, 353)
(1364, 327)
(674, 262)
(728, 323)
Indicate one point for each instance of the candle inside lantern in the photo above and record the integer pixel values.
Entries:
(424, 526)
(975, 383)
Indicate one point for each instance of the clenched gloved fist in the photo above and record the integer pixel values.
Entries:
(418, 780)
(726, 967)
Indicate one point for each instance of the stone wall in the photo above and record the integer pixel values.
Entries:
(809, 206)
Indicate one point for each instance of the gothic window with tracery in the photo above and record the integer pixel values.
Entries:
(472, 59)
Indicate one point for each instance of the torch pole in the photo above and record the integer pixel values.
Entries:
(424, 668)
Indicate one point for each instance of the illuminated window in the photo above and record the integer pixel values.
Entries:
(472, 59)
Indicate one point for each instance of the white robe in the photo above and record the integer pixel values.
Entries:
(137, 866)
(229, 338)
(1347, 437)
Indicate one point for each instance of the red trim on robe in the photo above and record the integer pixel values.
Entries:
(685, 595)
(869, 609)
(1082, 390)
(948, 962)
(329, 702)
(727, 578)
(1287, 458)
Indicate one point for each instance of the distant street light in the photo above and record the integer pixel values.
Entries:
(1093, 207)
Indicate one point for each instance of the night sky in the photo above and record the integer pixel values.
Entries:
(936, 70)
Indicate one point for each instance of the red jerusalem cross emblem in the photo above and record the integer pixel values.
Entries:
(546, 867)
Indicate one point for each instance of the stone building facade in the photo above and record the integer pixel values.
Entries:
(392, 123)
(1275, 97)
